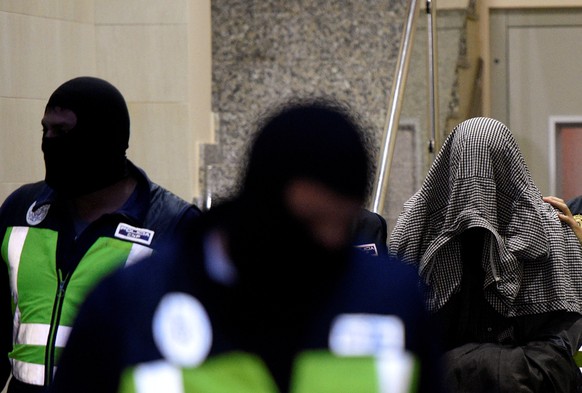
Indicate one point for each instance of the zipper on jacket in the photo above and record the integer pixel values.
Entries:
(49, 359)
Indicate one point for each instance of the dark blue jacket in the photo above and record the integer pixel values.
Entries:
(162, 213)
(114, 330)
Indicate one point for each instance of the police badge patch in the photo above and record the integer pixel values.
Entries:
(36, 216)
(182, 330)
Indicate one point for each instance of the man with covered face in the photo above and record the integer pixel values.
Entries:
(270, 295)
(504, 274)
(94, 212)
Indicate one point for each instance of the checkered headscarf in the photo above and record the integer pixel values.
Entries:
(532, 262)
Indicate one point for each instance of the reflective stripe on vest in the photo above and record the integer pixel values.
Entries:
(315, 371)
(27, 372)
(31, 257)
(159, 377)
(15, 245)
(137, 253)
(37, 334)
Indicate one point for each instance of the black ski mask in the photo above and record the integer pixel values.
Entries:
(316, 141)
(91, 155)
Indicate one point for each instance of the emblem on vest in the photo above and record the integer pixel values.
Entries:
(134, 234)
(182, 330)
(36, 216)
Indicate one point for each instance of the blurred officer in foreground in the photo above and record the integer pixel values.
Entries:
(270, 296)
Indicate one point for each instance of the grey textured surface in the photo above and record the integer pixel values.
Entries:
(265, 52)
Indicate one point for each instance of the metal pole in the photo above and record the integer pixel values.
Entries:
(433, 111)
(394, 107)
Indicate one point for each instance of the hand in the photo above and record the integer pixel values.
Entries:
(565, 215)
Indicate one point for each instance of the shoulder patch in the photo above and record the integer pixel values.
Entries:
(369, 248)
(134, 234)
(182, 330)
(36, 216)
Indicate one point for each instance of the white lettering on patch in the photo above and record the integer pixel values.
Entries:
(134, 234)
(369, 248)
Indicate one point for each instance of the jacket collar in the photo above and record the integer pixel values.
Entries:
(135, 208)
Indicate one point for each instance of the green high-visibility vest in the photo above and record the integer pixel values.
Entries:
(314, 372)
(45, 303)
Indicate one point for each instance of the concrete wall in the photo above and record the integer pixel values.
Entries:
(156, 53)
(267, 52)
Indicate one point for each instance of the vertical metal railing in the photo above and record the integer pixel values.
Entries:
(394, 108)
(396, 98)
(433, 103)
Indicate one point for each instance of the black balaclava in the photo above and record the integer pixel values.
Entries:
(284, 274)
(91, 155)
(310, 141)
(317, 141)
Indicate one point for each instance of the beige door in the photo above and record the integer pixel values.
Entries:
(536, 64)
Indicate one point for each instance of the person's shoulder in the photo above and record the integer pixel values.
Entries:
(575, 205)
(29, 189)
(384, 286)
(166, 211)
(367, 218)
(170, 202)
(161, 197)
(158, 191)
(172, 213)
(371, 229)
(385, 274)
(24, 195)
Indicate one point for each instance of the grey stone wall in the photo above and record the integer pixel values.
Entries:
(265, 52)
